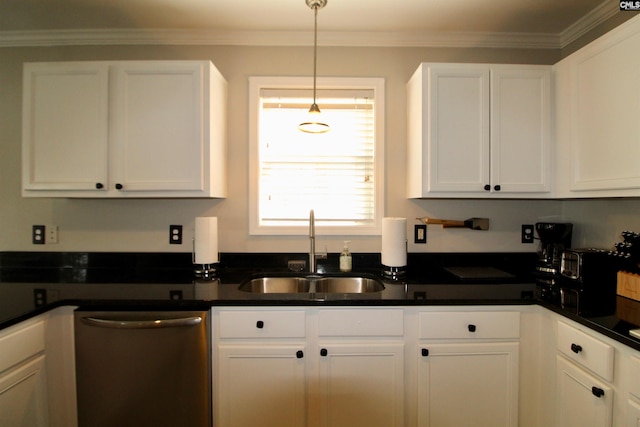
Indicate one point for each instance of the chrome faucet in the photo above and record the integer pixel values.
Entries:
(312, 242)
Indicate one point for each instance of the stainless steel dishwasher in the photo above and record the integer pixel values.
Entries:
(140, 368)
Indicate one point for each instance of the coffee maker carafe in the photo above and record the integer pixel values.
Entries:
(554, 239)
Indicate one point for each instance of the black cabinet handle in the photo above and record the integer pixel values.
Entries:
(119, 186)
(259, 324)
(496, 187)
(299, 354)
(472, 328)
(576, 348)
(597, 391)
(99, 185)
(487, 187)
(425, 352)
(323, 352)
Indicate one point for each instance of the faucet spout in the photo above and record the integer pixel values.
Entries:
(312, 242)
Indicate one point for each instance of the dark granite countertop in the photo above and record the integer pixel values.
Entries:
(33, 283)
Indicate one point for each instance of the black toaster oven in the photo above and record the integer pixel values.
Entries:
(588, 281)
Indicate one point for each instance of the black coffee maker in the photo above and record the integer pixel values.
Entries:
(554, 238)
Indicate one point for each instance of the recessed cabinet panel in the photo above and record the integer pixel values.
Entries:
(459, 129)
(159, 128)
(65, 126)
(521, 129)
(605, 126)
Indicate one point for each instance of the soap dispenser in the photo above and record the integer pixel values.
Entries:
(345, 258)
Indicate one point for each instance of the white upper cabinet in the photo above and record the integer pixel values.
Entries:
(479, 130)
(124, 129)
(598, 131)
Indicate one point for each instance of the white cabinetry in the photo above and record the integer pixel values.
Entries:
(477, 130)
(333, 367)
(361, 367)
(124, 129)
(468, 369)
(23, 392)
(582, 398)
(261, 376)
(597, 125)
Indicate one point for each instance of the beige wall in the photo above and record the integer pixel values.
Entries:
(142, 225)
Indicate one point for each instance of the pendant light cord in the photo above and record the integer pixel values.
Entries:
(315, 50)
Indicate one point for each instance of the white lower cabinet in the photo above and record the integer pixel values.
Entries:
(583, 400)
(23, 393)
(261, 385)
(483, 377)
(23, 397)
(468, 369)
(584, 367)
(314, 367)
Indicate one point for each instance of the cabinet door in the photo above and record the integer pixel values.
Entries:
(23, 396)
(520, 129)
(473, 384)
(260, 385)
(604, 91)
(583, 401)
(158, 127)
(65, 126)
(361, 384)
(458, 114)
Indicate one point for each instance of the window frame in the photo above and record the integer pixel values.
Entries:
(256, 85)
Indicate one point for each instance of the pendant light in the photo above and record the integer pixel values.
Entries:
(314, 124)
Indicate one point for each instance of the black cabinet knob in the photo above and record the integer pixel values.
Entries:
(597, 391)
(472, 328)
(99, 185)
(576, 348)
(323, 352)
(487, 187)
(299, 354)
(496, 187)
(425, 352)
(259, 324)
(118, 186)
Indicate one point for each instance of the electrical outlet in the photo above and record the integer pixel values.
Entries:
(175, 234)
(420, 233)
(52, 234)
(37, 234)
(527, 233)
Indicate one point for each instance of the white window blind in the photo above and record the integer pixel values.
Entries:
(334, 173)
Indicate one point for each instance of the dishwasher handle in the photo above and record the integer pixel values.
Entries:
(142, 324)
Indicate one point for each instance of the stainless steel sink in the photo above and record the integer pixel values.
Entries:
(348, 285)
(276, 285)
(312, 284)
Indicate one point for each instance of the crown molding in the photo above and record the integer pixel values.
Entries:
(97, 37)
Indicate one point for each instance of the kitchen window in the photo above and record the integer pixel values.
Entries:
(338, 174)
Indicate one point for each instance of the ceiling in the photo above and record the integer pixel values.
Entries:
(538, 23)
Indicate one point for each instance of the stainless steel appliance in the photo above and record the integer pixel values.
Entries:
(588, 282)
(554, 238)
(143, 369)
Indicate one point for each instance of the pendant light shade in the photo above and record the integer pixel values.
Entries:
(314, 122)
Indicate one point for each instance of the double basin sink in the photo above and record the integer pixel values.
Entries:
(313, 285)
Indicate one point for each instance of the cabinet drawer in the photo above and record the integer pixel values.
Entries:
(20, 344)
(367, 322)
(262, 324)
(586, 350)
(469, 325)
